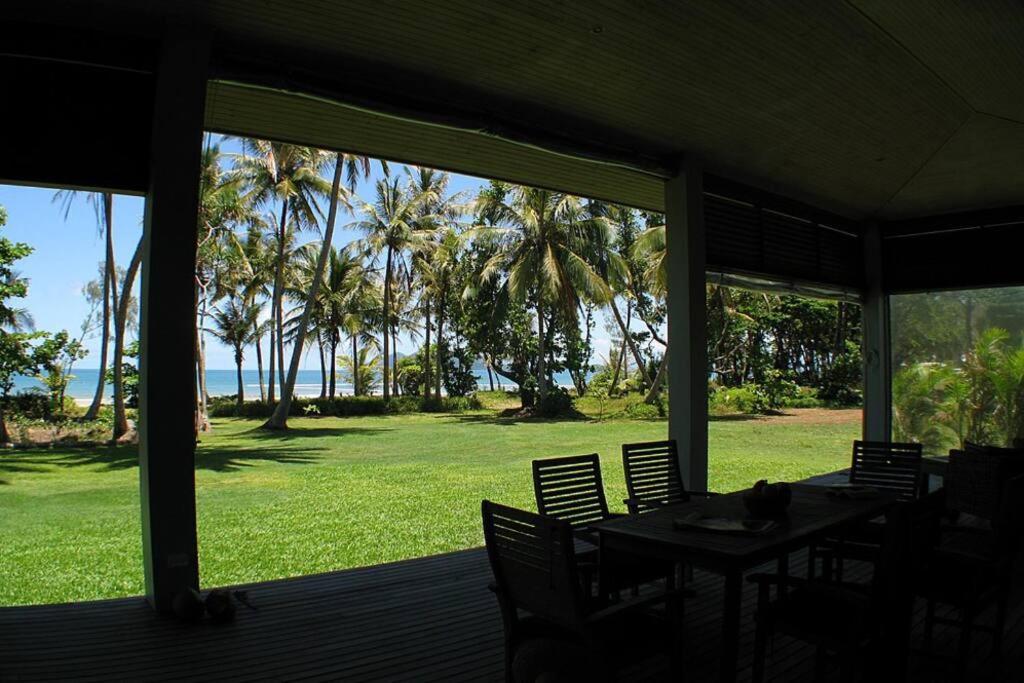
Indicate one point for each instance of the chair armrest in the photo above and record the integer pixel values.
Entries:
(702, 494)
(639, 603)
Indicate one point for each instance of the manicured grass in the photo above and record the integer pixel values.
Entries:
(334, 493)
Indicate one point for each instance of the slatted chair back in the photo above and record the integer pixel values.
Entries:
(534, 563)
(893, 467)
(570, 489)
(652, 473)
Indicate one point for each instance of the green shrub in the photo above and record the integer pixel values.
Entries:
(558, 403)
(343, 406)
(639, 410)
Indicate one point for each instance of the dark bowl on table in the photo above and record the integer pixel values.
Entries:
(764, 505)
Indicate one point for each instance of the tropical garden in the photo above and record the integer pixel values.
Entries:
(454, 334)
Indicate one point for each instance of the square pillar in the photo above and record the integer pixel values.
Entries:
(167, 360)
(876, 346)
(687, 321)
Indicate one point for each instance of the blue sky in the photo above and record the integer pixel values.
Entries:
(68, 251)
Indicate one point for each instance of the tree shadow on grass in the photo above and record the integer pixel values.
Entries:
(735, 417)
(509, 420)
(287, 435)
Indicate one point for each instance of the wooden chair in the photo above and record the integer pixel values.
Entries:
(973, 569)
(887, 466)
(653, 479)
(570, 489)
(542, 598)
(867, 624)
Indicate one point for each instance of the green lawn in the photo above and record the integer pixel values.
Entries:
(335, 493)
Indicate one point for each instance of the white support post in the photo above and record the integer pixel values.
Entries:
(876, 349)
(167, 368)
(687, 321)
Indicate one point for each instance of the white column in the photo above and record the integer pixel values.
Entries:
(167, 358)
(877, 420)
(687, 321)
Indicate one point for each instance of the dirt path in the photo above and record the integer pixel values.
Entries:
(818, 416)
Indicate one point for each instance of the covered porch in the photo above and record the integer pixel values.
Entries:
(853, 149)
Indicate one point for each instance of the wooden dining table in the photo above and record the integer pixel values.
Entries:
(812, 515)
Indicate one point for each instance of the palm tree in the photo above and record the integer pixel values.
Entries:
(234, 323)
(615, 271)
(103, 204)
(339, 195)
(255, 277)
(121, 322)
(544, 237)
(289, 175)
(221, 208)
(435, 260)
(15, 319)
(391, 226)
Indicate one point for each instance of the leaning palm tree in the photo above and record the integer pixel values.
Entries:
(103, 204)
(391, 225)
(288, 176)
(234, 322)
(543, 237)
(339, 196)
(614, 270)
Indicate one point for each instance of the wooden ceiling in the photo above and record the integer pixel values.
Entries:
(870, 108)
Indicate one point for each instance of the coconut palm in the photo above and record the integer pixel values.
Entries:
(351, 165)
(288, 176)
(234, 322)
(392, 227)
(14, 319)
(221, 209)
(544, 236)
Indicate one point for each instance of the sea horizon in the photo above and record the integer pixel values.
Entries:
(224, 382)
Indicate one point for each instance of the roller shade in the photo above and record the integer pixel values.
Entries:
(238, 109)
(750, 238)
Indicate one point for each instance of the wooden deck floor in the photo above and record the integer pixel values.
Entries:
(425, 619)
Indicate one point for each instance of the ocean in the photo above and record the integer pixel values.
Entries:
(225, 383)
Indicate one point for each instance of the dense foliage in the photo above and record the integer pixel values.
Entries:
(959, 367)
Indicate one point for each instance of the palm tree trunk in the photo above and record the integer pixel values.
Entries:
(542, 377)
(259, 361)
(334, 366)
(202, 418)
(394, 360)
(120, 418)
(323, 367)
(426, 354)
(101, 382)
(355, 365)
(276, 320)
(273, 352)
(241, 385)
(387, 318)
(632, 345)
(279, 420)
(652, 395)
(440, 343)
(490, 375)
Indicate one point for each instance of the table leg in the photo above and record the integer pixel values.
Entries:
(731, 626)
(783, 572)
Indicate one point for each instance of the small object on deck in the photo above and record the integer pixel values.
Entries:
(220, 606)
(188, 605)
